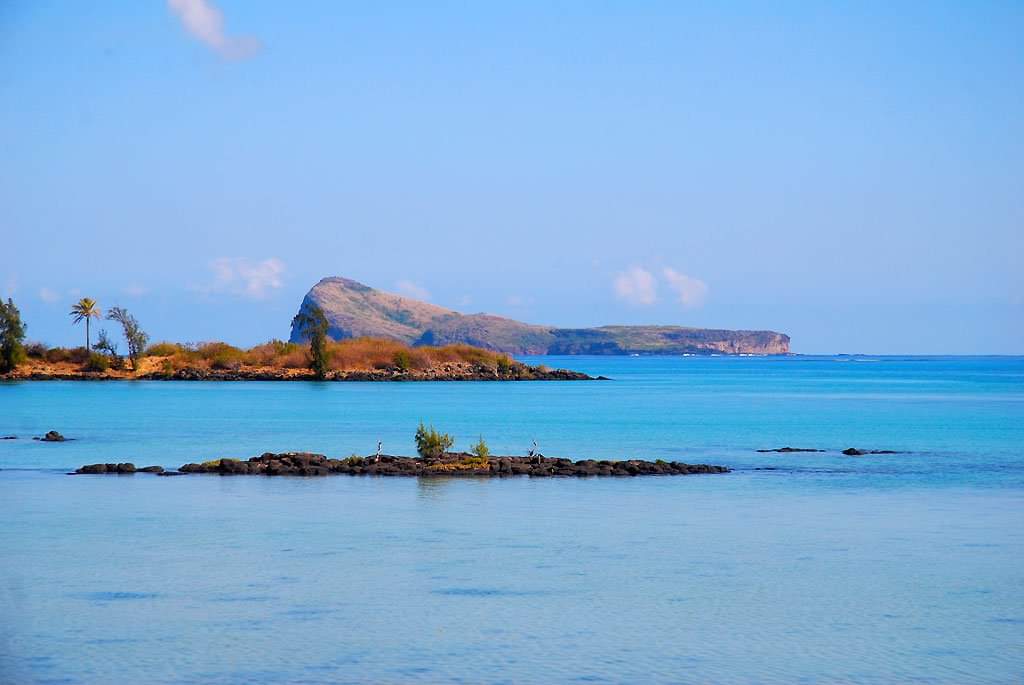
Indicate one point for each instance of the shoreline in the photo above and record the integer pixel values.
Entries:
(448, 373)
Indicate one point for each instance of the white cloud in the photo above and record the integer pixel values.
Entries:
(206, 23)
(690, 292)
(516, 301)
(136, 290)
(465, 301)
(48, 295)
(636, 286)
(413, 290)
(244, 277)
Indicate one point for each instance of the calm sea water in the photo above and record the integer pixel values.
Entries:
(813, 568)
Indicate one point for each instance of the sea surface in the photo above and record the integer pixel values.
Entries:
(794, 568)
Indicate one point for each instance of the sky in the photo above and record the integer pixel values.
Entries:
(849, 173)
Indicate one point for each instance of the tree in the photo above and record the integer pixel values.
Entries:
(480, 449)
(12, 337)
(83, 310)
(430, 444)
(107, 346)
(311, 323)
(134, 336)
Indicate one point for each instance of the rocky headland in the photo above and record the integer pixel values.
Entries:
(354, 310)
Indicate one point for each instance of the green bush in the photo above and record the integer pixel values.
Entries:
(480, 449)
(430, 444)
(504, 365)
(402, 360)
(97, 362)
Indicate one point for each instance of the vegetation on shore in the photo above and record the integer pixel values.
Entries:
(321, 357)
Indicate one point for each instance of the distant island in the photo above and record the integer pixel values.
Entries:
(355, 310)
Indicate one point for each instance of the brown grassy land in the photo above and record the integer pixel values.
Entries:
(358, 359)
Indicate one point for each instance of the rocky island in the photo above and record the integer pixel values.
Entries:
(355, 310)
(450, 464)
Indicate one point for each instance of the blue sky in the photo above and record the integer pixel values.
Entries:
(848, 173)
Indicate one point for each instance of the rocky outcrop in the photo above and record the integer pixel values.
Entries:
(51, 436)
(455, 464)
(355, 310)
(126, 467)
(854, 452)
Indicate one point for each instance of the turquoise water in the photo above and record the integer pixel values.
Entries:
(812, 568)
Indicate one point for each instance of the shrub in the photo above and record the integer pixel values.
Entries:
(430, 444)
(36, 350)
(504, 365)
(402, 360)
(162, 349)
(97, 362)
(480, 449)
(76, 355)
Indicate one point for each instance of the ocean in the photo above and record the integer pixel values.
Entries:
(805, 567)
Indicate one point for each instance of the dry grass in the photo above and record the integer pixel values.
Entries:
(358, 354)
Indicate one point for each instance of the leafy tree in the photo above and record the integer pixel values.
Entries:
(430, 444)
(481, 449)
(12, 336)
(105, 345)
(133, 333)
(311, 323)
(83, 310)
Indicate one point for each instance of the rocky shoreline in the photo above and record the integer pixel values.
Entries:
(451, 464)
(446, 373)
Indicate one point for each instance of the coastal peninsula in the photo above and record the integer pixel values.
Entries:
(364, 359)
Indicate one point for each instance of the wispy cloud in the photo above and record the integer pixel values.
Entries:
(636, 285)
(413, 290)
(690, 292)
(49, 296)
(136, 290)
(206, 23)
(244, 277)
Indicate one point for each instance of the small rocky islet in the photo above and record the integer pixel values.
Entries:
(451, 464)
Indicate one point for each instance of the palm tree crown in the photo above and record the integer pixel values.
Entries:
(85, 309)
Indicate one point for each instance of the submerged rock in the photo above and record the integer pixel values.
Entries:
(792, 449)
(9, 437)
(151, 469)
(453, 464)
(854, 452)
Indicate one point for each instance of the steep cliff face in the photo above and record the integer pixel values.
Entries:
(355, 310)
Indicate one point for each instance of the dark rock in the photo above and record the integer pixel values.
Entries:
(9, 437)
(52, 436)
(107, 468)
(170, 473)
(452, 464)
(151, 469)
(792, 449)
(854, 452)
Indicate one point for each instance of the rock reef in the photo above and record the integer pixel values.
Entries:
(452, 464)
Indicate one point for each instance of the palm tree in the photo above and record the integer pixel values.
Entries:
(85, 309)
